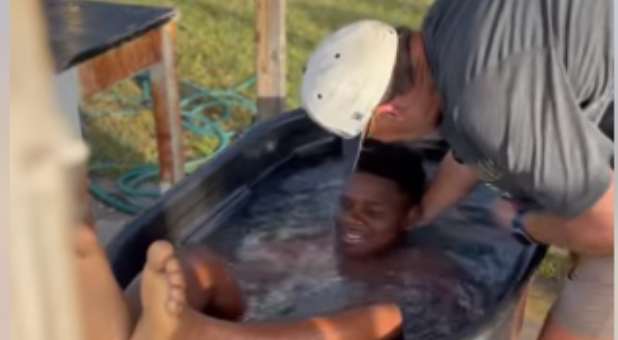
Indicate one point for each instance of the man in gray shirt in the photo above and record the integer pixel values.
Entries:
(518, 89)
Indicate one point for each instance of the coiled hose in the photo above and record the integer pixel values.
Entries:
(131, 195)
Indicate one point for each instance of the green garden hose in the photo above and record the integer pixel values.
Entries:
(131, 193)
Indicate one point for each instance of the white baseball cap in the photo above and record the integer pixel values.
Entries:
(348, 75)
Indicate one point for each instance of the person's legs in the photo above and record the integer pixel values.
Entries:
(520, 312)
(167, 315)
(105, 311)
(585, 307)
(210, 287)
(205, 271)
(102, 306)
(374, 322)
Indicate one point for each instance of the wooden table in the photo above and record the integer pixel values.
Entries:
(103, 43)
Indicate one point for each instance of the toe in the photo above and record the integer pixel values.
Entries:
(176, 280)
(176, 301)
(174, 307)
(177, 294)
(158, 255)
(173, 266)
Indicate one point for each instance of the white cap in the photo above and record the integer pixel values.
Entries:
(347, 76)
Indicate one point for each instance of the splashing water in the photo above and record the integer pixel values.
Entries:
(281, 247)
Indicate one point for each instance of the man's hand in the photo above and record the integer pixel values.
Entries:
(452, 182)
(591, 233)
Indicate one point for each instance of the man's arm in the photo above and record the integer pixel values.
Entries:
(524, 117)
(590, 233)
(453, 181)
(375, 322)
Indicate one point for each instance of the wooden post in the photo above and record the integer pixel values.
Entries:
(43, 158)
(271, 57)
(167, 109)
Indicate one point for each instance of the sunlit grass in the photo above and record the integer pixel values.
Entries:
(216, 49)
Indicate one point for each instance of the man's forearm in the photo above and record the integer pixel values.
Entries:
(453, 181)
(591, 233)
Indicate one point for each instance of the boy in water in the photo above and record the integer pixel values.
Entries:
(190, 298)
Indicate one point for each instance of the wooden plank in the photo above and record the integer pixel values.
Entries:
(120, 63)
(270, 57)
(43, 299)
(167, 109)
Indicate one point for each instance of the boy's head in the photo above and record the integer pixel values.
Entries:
(377, 199)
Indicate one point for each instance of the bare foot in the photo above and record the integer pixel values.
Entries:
(198, 275)
(103, 308)
(163, 295)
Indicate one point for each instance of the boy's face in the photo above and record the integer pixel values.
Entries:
(371, 216)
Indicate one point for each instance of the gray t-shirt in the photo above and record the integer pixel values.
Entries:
(524, 84)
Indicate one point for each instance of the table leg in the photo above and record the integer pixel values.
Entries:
(167, 109)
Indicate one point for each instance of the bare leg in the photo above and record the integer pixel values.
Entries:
(204, 269)
(211, 288)
(103, 308)
(585, 309)
(167, 316)
(376, 322)
(520, 313)
(553, 330)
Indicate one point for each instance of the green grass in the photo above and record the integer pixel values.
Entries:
(216, 44)
(216, 49)
(555, 265)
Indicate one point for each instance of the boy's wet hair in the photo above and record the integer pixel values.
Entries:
(397, 163)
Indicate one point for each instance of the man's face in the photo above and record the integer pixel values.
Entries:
(372, 215)
(411, 115)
